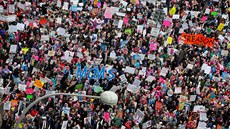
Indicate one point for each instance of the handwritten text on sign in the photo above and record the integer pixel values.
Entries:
(197, 39)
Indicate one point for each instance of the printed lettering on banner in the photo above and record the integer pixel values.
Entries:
(138, 116)
(133, 88)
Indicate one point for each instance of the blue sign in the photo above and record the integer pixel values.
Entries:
(75, 8)
(94, 73)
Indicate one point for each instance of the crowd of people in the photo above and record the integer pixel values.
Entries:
(162, 82)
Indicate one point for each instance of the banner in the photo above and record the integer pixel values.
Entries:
(197, 39)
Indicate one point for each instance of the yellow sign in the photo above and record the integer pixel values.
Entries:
(172, 11)
(220, 27)
(25, 50)
(169, 40)
(38, 83)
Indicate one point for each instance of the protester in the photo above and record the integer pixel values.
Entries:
(170, 60)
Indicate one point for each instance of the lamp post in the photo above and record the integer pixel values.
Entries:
(107, 97)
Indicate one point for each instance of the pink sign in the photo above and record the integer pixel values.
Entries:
(108, 15)
(204, 18)
(106, 116)
(167, 23)
(125, 20)
(153, 46)
(29, 91)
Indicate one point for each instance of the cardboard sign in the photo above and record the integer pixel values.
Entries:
(198, 39)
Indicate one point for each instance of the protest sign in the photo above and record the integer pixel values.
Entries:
(106, 116)
(146, 125)
(11, 18)
(64, 125)
(198, 39)
(20, 26)
(7, 105)
(38, 83)
(11, 8)
(21, 87)
(29, 96)
(136, 82)
(14, 103)
(178, 90)
(164, 71)
(138, 116)
(129, 70)
(133, 88)
(12, 28)
(87, 120)
(220, 27)
(158, 105)
(192, 98)
(149, 78)
(61, 31)
(66, 110)
(97, 89)
(13, 48)
(109, 12)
